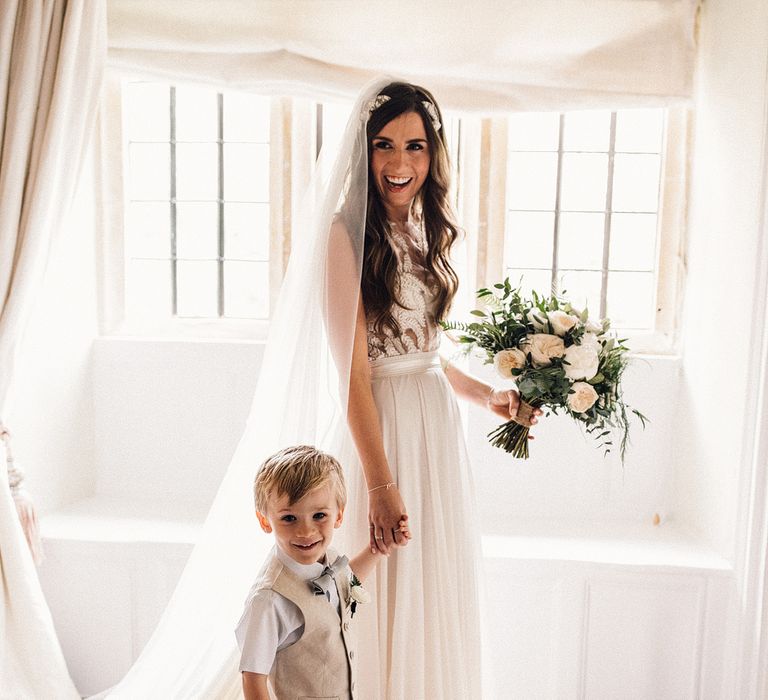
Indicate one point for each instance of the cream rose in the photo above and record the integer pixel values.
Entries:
(582, 397)
(359, 594)
(538, 325)
(543, 347)
(561, 321)
(582, 362)
(591, 340)
(507, 360)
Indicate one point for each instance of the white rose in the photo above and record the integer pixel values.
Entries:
(359, 594)
(591, 340)
(561, 321)
(582, 362)
(507, 360)
(538, 325)
(543, 347)
(593, 327)
(582, 397)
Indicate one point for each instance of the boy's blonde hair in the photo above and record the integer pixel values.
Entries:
(295, 471)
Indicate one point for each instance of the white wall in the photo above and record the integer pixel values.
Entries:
(169, 414)
(51, 409)
(566, 482)
(723, 241)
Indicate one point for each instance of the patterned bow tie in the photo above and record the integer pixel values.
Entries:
(321, 585)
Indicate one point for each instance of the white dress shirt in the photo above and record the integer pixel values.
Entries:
(270, 622)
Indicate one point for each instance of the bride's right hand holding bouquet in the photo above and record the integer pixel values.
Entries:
(559, 358)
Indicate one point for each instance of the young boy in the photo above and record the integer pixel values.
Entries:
(296, 632)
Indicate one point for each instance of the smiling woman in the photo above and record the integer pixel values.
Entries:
(400, 163)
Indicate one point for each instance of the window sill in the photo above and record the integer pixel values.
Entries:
(664, 546)
(192, 329)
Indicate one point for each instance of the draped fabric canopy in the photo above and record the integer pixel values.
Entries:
(494, 55)
(51, 60)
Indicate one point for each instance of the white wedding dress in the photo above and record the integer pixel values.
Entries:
(420, 637)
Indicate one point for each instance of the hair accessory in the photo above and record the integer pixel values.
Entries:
(373, 105)
(432, 112)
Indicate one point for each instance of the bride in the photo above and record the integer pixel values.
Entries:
(405, 454)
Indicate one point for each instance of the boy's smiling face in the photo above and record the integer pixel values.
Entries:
(304, 529)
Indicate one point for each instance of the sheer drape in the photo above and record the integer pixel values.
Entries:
(51, 59)
(300, 398)
(526, 55)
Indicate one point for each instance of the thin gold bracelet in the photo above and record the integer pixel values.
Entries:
(383, 486)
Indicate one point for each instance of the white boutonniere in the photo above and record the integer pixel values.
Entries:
(357, 594)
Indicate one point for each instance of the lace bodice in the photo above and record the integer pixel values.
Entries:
(416, 291)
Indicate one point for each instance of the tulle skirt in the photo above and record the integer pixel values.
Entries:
(420, 636)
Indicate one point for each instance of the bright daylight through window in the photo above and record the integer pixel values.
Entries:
(582, 209)
(581, 193)
(197, 209)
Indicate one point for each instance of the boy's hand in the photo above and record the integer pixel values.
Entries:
(404, 530)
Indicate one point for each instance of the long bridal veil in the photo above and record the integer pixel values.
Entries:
(300, 397)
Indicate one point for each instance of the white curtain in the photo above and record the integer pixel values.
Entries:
(51, 59)
(529, 55)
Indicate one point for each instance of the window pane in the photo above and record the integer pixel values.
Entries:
(636, 183)
(587, 131)
(148, 291)
(639, 130)
(197, 171)
(584, 181)
(582, 289)
(633, 242)
(149, 230)
(581, 241)
(529, 239)
(197, 230)
(532, 180)
(147, 109)
(631, 299)
(246, 172)
(246, 289)
(539, 280)
(149, 165)
(535, 131)
(335, 116)
(246, 117)
(197, 285)
(196, 114)
(246, 231)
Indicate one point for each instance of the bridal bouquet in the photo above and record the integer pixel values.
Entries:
(559, 358)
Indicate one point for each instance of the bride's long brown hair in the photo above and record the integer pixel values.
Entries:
(432, 205)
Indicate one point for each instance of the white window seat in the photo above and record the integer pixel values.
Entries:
(110, 519)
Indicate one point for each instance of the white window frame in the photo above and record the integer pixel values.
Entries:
(480, 188)
(485, 193)
(291, 141)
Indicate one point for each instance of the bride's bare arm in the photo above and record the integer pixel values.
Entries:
(503, 402)
(347, 332)
(385, 506)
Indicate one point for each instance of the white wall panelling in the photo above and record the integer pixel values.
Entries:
(642, 636)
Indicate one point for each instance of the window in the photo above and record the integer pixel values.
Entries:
(583, 209)
(588, 203)
(197, 212)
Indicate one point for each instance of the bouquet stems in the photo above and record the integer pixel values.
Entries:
(512, 436)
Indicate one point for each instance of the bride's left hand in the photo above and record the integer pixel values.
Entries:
(505, 402)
